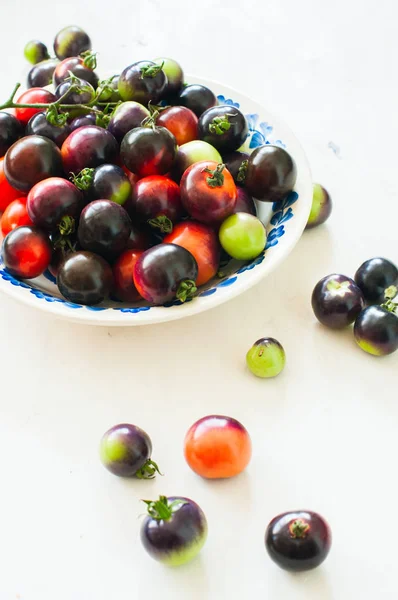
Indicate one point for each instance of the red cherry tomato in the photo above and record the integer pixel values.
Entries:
(123, 276)
(208, 192)
(26, 252)
(182, 122)
(202, 242)
(217, 447)
(7, 192)
(157, 197)
(132, 176)
(32, 96)
(15, 215)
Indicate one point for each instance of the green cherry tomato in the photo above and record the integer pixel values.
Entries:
(243, 236)
(35, 51)
(266, 358)
(321, 207)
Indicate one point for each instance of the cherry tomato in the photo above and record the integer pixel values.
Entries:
(26, 252)
(156, 200)
(7, 193)
(15, 215)
(217, 447)
(123, 276)
(148, 151)
(208, 192)
(74, 65)
(202, 242)
(88, 147)
(181, 121)
(32, 96)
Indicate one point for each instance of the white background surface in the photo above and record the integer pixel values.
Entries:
(324, 432)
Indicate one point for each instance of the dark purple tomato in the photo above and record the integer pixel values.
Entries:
(87, 119)
(224, 127)
(376, 331)
(35, 52)
(84, 278)
(271, 173)
(52, 199)
(174, 531)
(126, 450)
(337, 301)
(104, 228)
(124, 287)
(10, 131)
(298, 540)
(71, 41)
(74, 65)
(321, 207)
(156, 200)
(88, 147)
(244, 202)
(110, 182)
(127, 116)
(374, 276)
(84, 95)
(38, 125)
(143, 81)
(41, 74)
(174, 74)
(193, 152)
(26, 252)
(148, 151)
(139, 239)
(198, 98)
(165, 272)
(233, 161)
(30, 160)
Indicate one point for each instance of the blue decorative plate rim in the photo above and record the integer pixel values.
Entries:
(260, 133)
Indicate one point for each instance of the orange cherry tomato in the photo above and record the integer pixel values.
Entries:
(7, 192)
(182, 122)
(15, 215)
(202, 242)
(217, 447)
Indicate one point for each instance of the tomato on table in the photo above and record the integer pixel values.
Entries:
(15, 215)
(7, 192)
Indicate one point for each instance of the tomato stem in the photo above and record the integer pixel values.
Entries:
(160, 509)
(186, 290)
(162, 222)
(148, 470)
(151, 70)
(89, 59)
(299, 528)
(242, 171)
(83, 180)
(389, 294)
(216, 178)
(220, 125)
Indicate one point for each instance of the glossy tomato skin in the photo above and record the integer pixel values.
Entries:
(10, 131)
(84, 96)
(160, 270)
(244, 202)
(190, 153)
(233, 161)
(104, 228)
(374, 276)
(41, 74)
(124, 288)
(202, 242)
(298, 540)
(110, 182)
(30, 160)
(147, 151)
(139, 239)
(217, 447)
(126, 117)
(203, 202)
(376, 331)
(134, 84)
(71, 41)
(337, 301)
(32, 96)
(181, 121)
(76, 66)
(125, 449)
(197, 98)
(271, 173)
(26, 252)
(15, 215)
(156, 196)
(82, 120)
(7, 193)
(212, 132)
(38, 125)
(84, 278)
(51, 199)
(35, 51)
(174, 74)
(88, 146)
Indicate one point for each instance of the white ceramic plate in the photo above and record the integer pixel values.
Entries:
(285, 224)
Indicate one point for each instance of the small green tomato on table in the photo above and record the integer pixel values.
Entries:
(266, 358)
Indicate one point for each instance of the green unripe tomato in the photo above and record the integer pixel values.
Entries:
(266, 358)
(35, 51)
(243, 236)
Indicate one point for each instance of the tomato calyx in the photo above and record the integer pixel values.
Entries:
(241, 176)
(186, 290)
(161, 509)
(56, 118)
(299, 529)
(148, 470)
(66, 228)
(151, 70)
(216, 178)
(162, 222)
(220, 125)
(389, 294)
(83, 180)
(89, 59)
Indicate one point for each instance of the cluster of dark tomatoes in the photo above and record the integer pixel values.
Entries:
(133, 186)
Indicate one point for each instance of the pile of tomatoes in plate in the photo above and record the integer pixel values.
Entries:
(133, 187)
